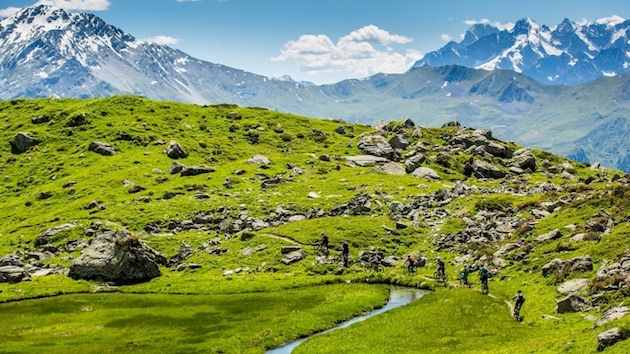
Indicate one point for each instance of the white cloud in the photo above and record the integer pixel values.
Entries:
(162, 40)
(9, 11)
(445, 37)
(502, 26)
(355, 52)
(86, 5)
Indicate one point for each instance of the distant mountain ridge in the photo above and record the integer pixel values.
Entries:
(567, 54)
(46, 51)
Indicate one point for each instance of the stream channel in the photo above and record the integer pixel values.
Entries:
(398, 296)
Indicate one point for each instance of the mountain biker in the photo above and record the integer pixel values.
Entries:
(463, 276)
(324, 242)
(410, 263)
(440, 265)
(483, 276)
(520, 299)
(345, 252)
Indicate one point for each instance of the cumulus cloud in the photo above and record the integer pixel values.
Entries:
(446, 37)
(360, 52)
(162, 40)
(9, 11)
(86, 5)
(485, 21)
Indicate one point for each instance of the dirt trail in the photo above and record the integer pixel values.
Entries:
(286, 239)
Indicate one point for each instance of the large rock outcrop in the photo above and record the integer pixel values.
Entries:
(117, 256)
(21, 142)
(376, 145)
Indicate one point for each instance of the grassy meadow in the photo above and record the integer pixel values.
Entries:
(267, 303)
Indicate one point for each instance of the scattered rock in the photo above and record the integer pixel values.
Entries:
(365, 160)
(259, 160)
(573, 286)
(414, 162)
(184, 266)
(40, 119)
(21, 142)
(69, 184)
(524, 159)
(176, 167)
(612, 314)
(392, 168)
(136, 188)
(117, 256)
(482, 169)
(610, 337)
(102, 148)
(11, 274)
(376, 145)
(43, 237)
(398, 141)
(93, 205)
(195, 171)
(426, 173)
(555, 234)
(506, 249)
(185, 251)
(293, 257)
(571, 303)
(313, 195)
(175, 151)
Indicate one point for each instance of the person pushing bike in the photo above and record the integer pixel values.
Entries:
(345, 252)
(483, 276)
(520, 299)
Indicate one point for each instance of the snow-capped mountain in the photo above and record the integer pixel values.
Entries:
(287, 78)
(568, 54)
(47, 51)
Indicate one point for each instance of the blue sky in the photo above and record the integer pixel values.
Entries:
(322, 41)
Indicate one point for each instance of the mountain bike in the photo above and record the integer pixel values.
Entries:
(484, 286)
(411, 270)
(440, 276)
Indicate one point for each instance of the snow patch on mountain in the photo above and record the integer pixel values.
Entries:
(569, 53)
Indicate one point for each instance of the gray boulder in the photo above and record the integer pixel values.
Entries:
(194, 171)
(524, 159)
(409, 123)
(555, 234)
(175, 151)
(392, 168)
(612, 314)
(573, 286)
(22, 142)
(11, 260)
(259, 160)
(376, 145)
(571, 303)
(482, 169)
(610, 337)
(184, 266)
(293, 257)
(506, 249)
(117, 256)
(398, 141)
(102, 148)
(412, 163)
(426, 173)
(185, 251)
(389, 261)
(364, 160)
(176, 167)
(11, 274)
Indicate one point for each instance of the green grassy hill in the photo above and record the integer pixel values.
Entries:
(237, 216)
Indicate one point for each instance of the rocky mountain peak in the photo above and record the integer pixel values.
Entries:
(570, 54)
